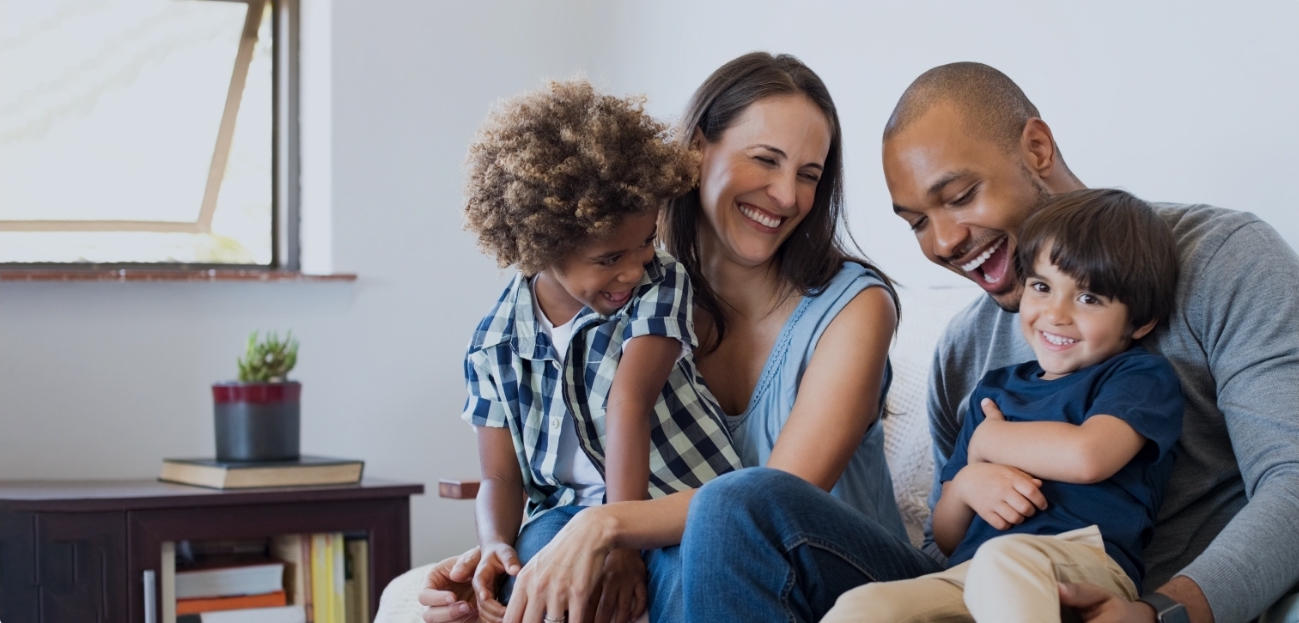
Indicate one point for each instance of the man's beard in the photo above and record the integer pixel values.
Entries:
(1009, 301)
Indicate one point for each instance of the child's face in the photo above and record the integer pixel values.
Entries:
(1068, 327)
(602, 274)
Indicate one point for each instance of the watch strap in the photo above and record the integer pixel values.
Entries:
(1167, 610)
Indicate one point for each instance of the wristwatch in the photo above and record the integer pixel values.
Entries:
(1166, 610)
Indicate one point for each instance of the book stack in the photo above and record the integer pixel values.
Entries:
(296, 578)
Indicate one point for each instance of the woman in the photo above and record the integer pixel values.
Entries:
(795, 334)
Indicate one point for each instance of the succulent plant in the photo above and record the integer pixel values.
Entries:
(268, 360)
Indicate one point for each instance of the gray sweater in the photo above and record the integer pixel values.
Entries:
(1230, 519)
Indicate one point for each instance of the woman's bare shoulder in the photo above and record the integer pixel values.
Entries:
(871, 311)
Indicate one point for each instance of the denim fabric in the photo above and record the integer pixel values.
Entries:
(764, 545)
(666, 602)
(663, 565)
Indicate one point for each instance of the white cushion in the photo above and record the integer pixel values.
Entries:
(925, 314)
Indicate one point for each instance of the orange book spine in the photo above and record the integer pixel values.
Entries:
(214, 604)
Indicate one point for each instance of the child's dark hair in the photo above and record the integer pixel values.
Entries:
(1112, 243)
(551, 169)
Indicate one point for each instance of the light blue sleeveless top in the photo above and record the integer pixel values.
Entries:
(866, 484)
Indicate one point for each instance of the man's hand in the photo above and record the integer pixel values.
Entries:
(1002, 495)
(621, 596)
(1097, 605)
(449, 595)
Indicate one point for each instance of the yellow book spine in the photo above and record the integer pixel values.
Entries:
(338, 575)
(320, 580)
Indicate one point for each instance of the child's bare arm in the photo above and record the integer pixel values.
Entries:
(499, 509)
(646, 363)
(1081, 454)
(951, 520)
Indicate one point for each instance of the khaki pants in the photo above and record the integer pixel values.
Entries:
(1011, 579)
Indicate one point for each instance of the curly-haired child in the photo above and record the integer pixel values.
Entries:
(582, 387)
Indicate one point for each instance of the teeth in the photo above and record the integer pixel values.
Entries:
(760, 217)
(983, 257)
(1058, 340)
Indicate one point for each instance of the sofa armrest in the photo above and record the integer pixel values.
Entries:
(458, 489)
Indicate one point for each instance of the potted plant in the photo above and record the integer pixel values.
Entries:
(258, 417)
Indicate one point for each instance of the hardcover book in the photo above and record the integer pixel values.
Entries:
(306, 470)
(284, 614)
(243, 578)
(196, 605)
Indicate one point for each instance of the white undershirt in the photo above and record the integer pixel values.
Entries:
(572, 466)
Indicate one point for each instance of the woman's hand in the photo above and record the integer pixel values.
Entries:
(621, 595)
(449, 595)
(564, 575)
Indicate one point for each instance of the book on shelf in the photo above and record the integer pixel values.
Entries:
(229, 580)
(196, 605)
(329, 601)
(306, 470)
(282, 614)
(295, 551)
(357, 587)
(321, 578)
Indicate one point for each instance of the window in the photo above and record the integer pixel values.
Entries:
(143, 131)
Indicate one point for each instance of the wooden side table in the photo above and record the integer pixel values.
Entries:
(77, 551)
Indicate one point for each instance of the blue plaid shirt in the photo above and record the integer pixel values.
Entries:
(514, 380)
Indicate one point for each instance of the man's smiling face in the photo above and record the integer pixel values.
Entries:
(964, 196)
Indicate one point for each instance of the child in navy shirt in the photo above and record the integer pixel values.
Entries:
(1061, 465)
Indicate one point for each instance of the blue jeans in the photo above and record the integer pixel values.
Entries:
(663, 565)
(765, 545)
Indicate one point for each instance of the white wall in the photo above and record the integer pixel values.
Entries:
(1174, 101)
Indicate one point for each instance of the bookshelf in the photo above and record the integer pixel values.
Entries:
(80, 551)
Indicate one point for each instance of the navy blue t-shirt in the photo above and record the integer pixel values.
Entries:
(1135, 386)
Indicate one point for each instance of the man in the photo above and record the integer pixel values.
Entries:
(967, 158)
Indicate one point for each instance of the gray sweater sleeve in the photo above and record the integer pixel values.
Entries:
(1247, 317)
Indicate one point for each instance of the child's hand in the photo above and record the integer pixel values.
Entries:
(1002, 495)
(621, 594)
(992, 418)
(496, 559)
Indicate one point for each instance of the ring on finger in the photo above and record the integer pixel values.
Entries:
(563, 618)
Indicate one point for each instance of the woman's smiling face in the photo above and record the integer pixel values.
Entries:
(758, 180)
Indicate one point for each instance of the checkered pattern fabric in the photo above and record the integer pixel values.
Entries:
(514, 380)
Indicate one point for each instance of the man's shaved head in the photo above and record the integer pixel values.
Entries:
(991, 104)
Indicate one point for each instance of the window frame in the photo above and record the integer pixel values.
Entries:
(285, 187)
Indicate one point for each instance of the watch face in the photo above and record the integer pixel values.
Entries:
(1176, 615)
(1166, 610)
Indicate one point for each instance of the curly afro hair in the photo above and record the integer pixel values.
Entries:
(554, 168)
